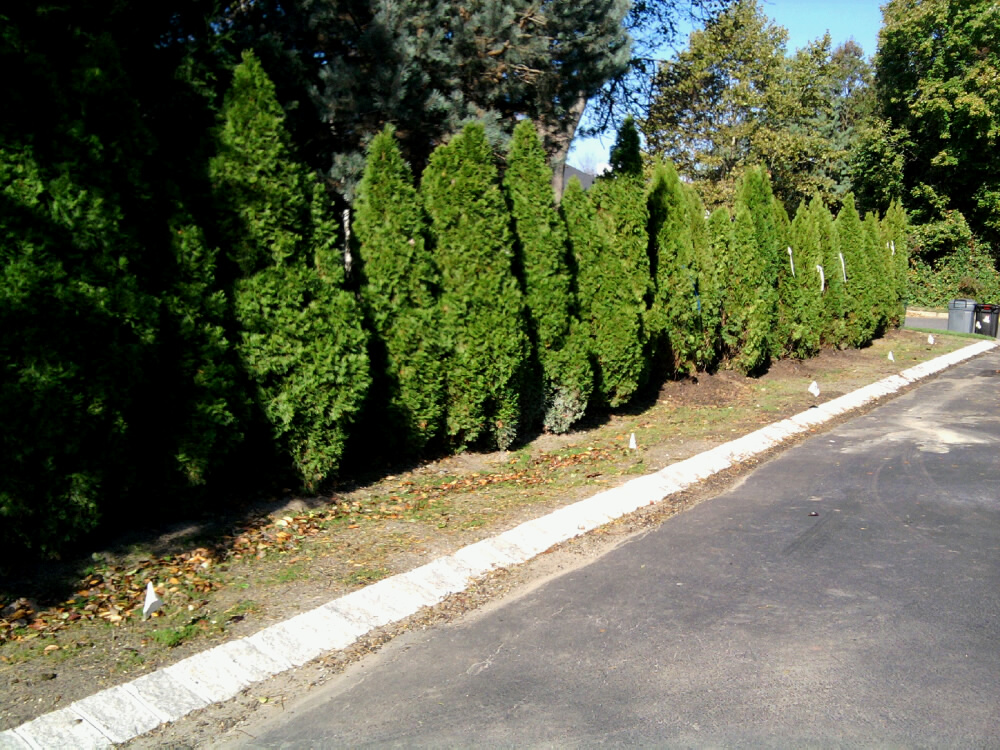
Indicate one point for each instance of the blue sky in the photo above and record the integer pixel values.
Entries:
(805, 20)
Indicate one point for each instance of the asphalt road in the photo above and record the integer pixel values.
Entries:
(847, 593)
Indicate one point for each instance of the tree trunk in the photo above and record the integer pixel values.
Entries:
(557, 138)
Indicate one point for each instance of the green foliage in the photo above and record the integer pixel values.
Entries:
(481, 305)
(626, 154)
(883, 289)
(895, 227)
(752, 283)
(619, 197)
(302, 343)
(803, 295)
(399, 294)
(948, 262)
(836, 304)
(433, 66)
(675, 315)
(852, 240)
(68, 352)
(712, 243)
(733, 99)
(207, 389)
(301, 339)
(749, 313)
(607, 306)
(876, 166)
(260, 190)
(541, 239)
(938, 83)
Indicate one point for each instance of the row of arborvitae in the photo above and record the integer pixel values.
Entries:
(138, 358)
(529, 313)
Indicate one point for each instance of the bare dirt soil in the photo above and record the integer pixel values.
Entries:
(70, 630)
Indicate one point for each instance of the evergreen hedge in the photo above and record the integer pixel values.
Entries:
(607, 304)
(835, 300)
(752, 283)
(76, 335)
(805, 297)
(675, 315)
(557, 336)
(620, 199)
(852, 240)
(893, 235)
(481, 305)
(300, 334)
(399, 292)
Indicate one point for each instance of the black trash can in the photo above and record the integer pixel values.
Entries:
(986, 320)
(961, 313)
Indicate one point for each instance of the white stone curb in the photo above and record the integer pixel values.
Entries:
(120, 713)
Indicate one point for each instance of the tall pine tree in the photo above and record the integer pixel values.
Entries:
(481, 304)
(399, 295)
(301, 339)
(558, 338)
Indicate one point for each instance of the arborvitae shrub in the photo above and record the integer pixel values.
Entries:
(481, 305)
(835, 301)
(399, 294)
(853, 243)
(787, 338)
(607, 309)
(880, 268)
(261, 192)
(620, 199)
(713, 283)
(209, 402)
(749, 305)
(894, 231)
(674, 317)
(806, 313)
(76, 332)
(301, 339)
(753, 276)
(558, 340)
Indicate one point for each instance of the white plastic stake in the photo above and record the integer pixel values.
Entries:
(631, 443)
(843, 268)
(791, 261)
(348, 258)
(892, 244)
(822, 280)
(152, 603)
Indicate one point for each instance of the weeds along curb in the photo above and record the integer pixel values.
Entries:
(123, 712)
